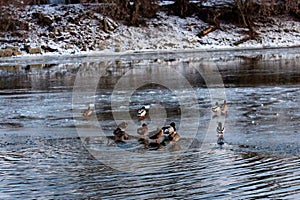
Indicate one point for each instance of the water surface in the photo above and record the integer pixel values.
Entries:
(43, 157)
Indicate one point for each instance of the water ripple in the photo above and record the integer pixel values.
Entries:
(63, 168)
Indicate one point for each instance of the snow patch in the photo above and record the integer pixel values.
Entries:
(164, 33)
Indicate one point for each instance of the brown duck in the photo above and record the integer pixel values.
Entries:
(156, 135)
(143, 131)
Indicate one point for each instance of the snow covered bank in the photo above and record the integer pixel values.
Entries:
(74, 30)
(171, 32)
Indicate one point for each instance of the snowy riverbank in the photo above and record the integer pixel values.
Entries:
(64, 30)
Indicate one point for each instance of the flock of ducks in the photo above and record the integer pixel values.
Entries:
(164, 135)
(161, 136)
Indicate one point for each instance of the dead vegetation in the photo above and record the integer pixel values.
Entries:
(134, 12)
(241, 13)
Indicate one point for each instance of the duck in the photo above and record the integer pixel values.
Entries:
(169, 129)
(174, 137)
(142, 112)
(156, 135)
(220, 133)
(143, 130)
(224, 108)
(170, 134)
(216, 108)
(88, 111)
(119, 134)
(220, 128)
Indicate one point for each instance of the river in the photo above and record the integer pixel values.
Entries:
(49, 150)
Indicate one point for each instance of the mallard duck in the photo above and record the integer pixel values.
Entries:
(216, 108)
(119, 134)
(143, 130)
(123, 126)
(88, 111)
(156, 135)
(142, 112)
(220, 128)
(174, 137)
(169, 129)
(220, 133)
(224, 108)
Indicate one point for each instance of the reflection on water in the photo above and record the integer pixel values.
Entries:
(41, 155)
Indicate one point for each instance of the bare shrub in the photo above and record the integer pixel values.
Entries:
(181, 7)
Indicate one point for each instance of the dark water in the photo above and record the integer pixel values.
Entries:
(48, 150)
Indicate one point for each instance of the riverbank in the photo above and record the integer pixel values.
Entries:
(73, 30)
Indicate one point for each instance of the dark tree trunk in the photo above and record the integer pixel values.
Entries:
(245, 8)
(181, 7)
(135, 12)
